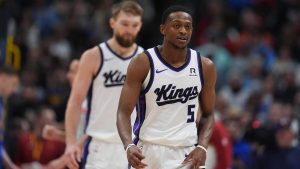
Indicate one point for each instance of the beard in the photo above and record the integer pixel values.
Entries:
(125, 42)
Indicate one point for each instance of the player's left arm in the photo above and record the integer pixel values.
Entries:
(207, 104)
(207, 101)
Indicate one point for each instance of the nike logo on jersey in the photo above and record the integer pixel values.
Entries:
(114, 78)
(159, 71)
(169, 94)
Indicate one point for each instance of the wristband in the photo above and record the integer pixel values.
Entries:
(203, 148)
(128, 146)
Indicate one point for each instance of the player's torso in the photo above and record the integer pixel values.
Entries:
(104, 93)
(171, 101)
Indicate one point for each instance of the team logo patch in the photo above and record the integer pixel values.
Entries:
(168, 94)
(114, 78)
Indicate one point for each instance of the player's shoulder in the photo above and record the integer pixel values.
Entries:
(139, 66)
(141, 58)
(208, 68)
(207, 63)
(91, 55)
(94, 51)
(90, 58)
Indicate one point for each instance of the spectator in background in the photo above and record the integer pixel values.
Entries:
(286, 87)
(297, 105)
(288, 151)
(267, 97)
(234, 93)
(283, 63)
(241, 148)
(221, 145)
(33, 150)
(9, 81)
(51, 132)
(219, 55)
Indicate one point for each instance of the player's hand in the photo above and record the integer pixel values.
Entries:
(73, 156)
(49, 132)
(197, 158)
(135, 157)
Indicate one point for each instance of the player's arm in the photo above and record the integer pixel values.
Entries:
(136, 74)
(207, 101)
(88, 66)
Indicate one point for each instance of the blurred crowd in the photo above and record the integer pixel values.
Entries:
(255, 45)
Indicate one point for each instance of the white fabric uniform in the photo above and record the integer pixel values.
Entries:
(164, 157)
(103, 99)
(103, 155)
(168, 105)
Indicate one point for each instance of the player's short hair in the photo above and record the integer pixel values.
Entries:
(128, 7)
(8, 70)
(172, 9)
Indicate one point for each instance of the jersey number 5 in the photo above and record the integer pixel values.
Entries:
(191, 113)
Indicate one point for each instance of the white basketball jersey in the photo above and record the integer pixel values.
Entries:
(104, 94)
(168, 104)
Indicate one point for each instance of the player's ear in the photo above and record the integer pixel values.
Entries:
(162, 29)
(111, 22)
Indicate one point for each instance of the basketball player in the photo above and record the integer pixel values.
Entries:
(170, 82)
(9, 81)
(101, 75)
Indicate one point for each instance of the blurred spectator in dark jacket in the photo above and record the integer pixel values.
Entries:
(287, 153)
(241, 148)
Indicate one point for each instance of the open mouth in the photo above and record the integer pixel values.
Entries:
(182, 39)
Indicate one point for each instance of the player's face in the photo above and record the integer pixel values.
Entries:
(178, 29)
(125, 27)
(10, 85)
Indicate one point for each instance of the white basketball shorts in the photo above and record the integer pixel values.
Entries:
(103, 155)
(164, 157)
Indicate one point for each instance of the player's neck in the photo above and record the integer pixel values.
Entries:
(120, 50)
(173, 55)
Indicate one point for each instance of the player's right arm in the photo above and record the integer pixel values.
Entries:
(88, 66)
(136, 74)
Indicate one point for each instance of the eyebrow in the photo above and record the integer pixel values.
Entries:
(181, 20)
